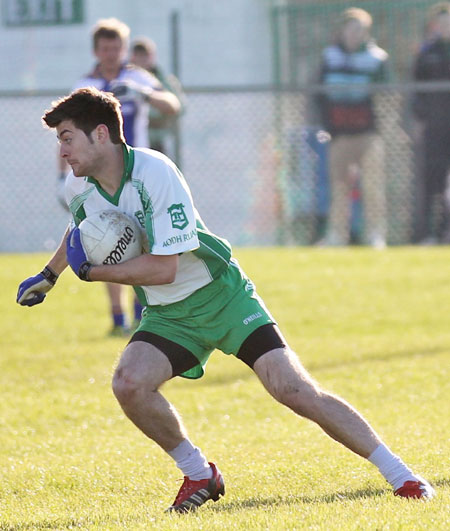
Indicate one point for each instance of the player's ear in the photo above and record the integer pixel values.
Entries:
(102, 133)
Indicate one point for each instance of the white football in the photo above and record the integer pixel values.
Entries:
(110, 237)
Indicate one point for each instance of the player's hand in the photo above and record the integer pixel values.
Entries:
(76, 255)
(129, 89)
(34, 289)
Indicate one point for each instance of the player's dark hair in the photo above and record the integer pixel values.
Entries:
(110, 28)
(143, 45)
(87, 108)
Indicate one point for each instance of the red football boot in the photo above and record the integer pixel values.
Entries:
(193, 494)
(416, 489)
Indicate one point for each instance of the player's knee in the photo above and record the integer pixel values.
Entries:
(141, 371)
(288, 382)
(126, 385)
(304, 398)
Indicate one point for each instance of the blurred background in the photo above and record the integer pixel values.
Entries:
(248, 142)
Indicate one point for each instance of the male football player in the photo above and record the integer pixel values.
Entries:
(196, 299)
(138, 92)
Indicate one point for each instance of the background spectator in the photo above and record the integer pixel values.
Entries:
(161, 125)
(138, 91)
(432, 109)
(349, 68)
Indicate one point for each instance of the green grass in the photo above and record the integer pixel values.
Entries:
(373, 327)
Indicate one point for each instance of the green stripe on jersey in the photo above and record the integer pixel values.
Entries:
(128, 162)
(148, 211)
(140, 294)
(77, 208)
(215, 252)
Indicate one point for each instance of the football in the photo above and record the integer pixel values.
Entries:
(110, 237)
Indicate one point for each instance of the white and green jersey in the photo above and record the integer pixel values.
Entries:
(154, 192)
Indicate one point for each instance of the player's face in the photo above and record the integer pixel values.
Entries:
(110, 52)
(140, 59)
(353, 35)
(143, 59)
(77, 149)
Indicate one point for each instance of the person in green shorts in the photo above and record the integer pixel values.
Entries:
(196, 299)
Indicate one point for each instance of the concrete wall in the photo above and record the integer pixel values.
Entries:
(222, 43)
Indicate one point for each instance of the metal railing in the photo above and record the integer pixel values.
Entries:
(255, 161)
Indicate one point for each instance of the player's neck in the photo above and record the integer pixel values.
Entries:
(110, 172)
(109, 73)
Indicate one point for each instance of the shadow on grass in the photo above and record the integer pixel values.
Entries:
(245, 374)
(377, 356)
(274, 501)
(250, 503)
(444, 482)
(68, 523)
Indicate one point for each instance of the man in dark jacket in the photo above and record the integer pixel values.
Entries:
(432, 109)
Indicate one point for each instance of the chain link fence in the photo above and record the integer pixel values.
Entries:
(301, 29)
(255, 158)
(260, 171)
(256, 165)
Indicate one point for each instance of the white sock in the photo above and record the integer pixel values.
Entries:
(391, 466)
(190, 460)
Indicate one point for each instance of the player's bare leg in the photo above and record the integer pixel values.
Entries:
(287, 380)
(141, 371)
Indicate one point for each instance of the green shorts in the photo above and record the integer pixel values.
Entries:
(220, 315)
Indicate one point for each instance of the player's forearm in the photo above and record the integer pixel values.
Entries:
(58, 262)
(145, 270)
(164, 101)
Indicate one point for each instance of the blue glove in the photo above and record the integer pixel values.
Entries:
(76, 255)
(34, 289)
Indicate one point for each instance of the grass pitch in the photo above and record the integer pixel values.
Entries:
(371, 326)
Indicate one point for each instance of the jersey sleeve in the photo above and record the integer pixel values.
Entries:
(76, 191)
(144, 78)
(69, 191)
(170, 220)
